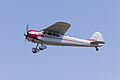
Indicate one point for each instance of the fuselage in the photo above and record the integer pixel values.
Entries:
(58, 40)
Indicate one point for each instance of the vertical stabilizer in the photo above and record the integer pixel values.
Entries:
(97, 36)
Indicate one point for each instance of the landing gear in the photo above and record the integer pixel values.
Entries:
(36, 49)
(97, 49)
(42, 47)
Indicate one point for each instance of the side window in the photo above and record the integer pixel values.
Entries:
(54, 34)
(50, 33)
(57, 35)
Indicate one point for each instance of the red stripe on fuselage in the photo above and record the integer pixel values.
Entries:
(91, 39)
(74, 41)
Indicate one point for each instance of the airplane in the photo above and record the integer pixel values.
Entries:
(55, 35)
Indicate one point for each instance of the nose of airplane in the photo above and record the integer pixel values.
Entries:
(25, 34)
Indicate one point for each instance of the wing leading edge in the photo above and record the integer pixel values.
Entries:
(58, 27)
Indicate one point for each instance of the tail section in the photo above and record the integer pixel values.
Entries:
(97, 36)
(97, 40)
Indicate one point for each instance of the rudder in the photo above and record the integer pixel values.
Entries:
(97, 36)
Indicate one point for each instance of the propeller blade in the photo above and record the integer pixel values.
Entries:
(25, 39)
(27, 27)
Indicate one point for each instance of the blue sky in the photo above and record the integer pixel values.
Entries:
(17, 62)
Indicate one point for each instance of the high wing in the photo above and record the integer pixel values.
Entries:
(58, 27)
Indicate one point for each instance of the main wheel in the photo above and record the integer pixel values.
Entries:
(34, 51)
(41, 48)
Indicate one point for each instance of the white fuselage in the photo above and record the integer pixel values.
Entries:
(62, 41)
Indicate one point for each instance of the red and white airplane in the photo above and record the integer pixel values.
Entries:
(54, 35)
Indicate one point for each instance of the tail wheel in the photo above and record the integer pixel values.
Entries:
(97, 49)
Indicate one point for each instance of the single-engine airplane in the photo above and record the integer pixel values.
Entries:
(54, 35)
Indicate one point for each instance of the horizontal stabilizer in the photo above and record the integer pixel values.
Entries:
(97, 42)
(96, 39)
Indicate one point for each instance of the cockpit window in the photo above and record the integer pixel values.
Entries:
(51, 34)
(44, 32)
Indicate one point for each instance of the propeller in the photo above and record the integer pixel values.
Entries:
(26, 33)
(27, 27)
